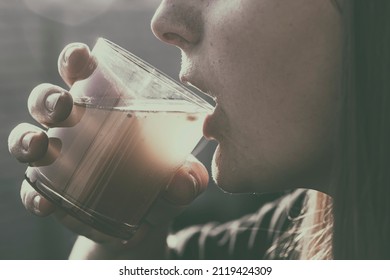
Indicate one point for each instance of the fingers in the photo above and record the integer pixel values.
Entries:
(51, 107)
(34, 202)
(27, 143)
(75, 63)
(40, 206)
(49, 104)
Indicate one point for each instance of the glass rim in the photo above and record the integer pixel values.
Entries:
(155, 72)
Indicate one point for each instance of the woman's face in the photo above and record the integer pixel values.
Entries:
(273, 67)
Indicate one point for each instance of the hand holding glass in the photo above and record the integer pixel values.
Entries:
(130, 129)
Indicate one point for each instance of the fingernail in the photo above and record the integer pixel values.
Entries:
(51, 101)
(69, 51)
(26, 141)
(195, 185)
(36, 203)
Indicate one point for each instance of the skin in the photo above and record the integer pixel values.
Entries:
(275, 76)
(273, 67)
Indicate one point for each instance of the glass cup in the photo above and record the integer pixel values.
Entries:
(130, 129)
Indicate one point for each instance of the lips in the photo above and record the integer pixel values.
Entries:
(208, 127)
(212, 125)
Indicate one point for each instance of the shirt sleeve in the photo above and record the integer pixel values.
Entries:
(246, 238)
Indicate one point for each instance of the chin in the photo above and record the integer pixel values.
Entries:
(233, 177)
(225, 174)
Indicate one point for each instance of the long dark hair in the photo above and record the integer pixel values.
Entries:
(361, 195)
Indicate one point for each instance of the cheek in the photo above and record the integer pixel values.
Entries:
(280, 135)
(280, 95)
(277, 150)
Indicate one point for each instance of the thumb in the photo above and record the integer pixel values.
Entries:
(188, 183)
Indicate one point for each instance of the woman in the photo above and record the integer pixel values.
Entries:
(300, 88)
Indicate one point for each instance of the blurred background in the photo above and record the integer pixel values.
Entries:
(33, 33)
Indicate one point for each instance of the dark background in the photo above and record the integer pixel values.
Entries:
(32, 34)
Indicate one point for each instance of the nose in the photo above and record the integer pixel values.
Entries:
(178, 22)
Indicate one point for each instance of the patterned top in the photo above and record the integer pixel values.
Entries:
(249, 237)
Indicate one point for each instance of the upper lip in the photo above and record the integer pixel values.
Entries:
(191, 74)
(192, 80)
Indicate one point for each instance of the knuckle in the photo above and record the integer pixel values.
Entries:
(26, 142)
(49, 104)
(75, 62)
(27, 194)
(14, 139)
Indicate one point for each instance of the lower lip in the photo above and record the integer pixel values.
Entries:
(209, 126)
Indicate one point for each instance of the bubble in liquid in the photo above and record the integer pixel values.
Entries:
(191, 117)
